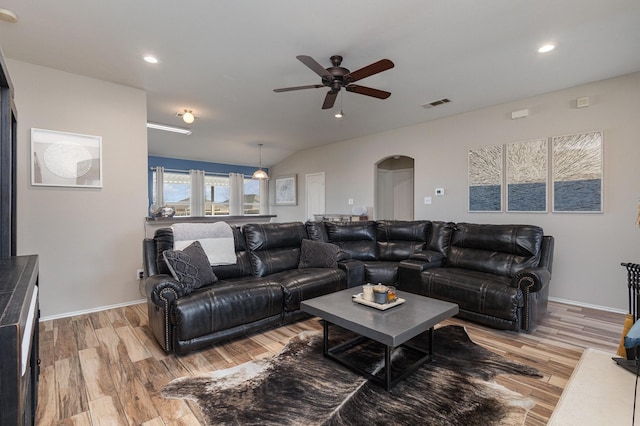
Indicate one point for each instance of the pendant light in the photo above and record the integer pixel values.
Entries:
(260, 174)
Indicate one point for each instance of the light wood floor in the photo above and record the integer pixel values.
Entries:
(105, 368)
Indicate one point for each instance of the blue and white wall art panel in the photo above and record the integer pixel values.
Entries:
(485, 179)
(577, 169)
(527, 175)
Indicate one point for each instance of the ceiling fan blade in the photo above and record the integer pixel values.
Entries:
(362, 90)
(289, 89)
(329, 100)
(375, 68)
(314, 65)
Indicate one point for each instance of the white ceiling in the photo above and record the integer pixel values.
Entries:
(222, 59)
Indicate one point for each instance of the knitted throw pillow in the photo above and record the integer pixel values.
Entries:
(316, 254)
(190, 267)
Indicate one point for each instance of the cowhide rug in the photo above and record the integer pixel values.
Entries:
(299, 386)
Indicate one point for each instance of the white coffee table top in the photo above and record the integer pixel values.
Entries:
(391, 327)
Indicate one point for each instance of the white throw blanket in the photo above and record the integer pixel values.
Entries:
(216, 240)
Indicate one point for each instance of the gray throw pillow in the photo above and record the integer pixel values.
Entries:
(316, 254)
(190, 267)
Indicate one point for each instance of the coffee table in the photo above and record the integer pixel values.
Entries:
(392, 328)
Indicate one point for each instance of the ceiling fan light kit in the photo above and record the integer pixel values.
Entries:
(336, 77)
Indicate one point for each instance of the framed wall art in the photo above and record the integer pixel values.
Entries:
(526, 176)
(286, 190)
(577, 170)
(65, 159)
(485, 179)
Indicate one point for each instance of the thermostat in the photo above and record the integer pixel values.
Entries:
(439, 192)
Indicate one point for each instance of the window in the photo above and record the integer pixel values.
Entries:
(251, 196)
(177, 193)
(216, 195)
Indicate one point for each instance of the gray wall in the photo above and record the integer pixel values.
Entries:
(89, 240)
(589, 247)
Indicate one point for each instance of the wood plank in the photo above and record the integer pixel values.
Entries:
(47, 410)
(136, 317)
(85, 336)
(72, 398)
(99, 320)
(154, 375)
(95, 371)
(135, 349)
(105, 412)
(82, 419)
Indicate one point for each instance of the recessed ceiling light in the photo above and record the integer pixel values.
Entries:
(150, 59)
(546, 48)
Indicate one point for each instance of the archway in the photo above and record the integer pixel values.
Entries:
(395, 188)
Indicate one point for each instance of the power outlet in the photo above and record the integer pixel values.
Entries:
(139, 274)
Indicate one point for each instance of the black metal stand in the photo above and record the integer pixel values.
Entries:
(388, 376)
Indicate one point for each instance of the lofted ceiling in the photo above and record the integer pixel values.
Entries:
(222, 59)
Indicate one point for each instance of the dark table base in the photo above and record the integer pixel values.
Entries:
(389, 375)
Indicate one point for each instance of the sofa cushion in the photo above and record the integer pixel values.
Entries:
(190, 267)
(303, 284)
(274, 247)
(440, 234)
(316, 254)
(474, 291)
(358, 239)
(214, 309)
(381, 272)
(499, 249)
(396, 240)
(316, 231)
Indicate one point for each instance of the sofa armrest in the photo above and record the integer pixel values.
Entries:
(163, 289)
(355, 272)
(531, 280)
(431, 258)
(410, 270)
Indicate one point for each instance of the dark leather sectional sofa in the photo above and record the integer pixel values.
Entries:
(498, 274)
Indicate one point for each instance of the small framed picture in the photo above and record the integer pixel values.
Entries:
(65, 159)
(286, 190)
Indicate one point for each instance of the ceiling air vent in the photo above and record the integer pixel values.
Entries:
(436, 103)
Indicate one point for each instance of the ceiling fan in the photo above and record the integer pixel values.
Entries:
(337, 77)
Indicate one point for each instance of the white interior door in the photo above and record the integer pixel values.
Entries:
(385, 202)
(403, 194)
(395, 194)
(314, 190)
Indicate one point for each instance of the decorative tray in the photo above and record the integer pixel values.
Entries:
(381, 306)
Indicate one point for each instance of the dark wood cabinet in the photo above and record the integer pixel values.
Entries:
(19, 325)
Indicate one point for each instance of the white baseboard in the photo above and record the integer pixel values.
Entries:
(92, 310)
(587, 305)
